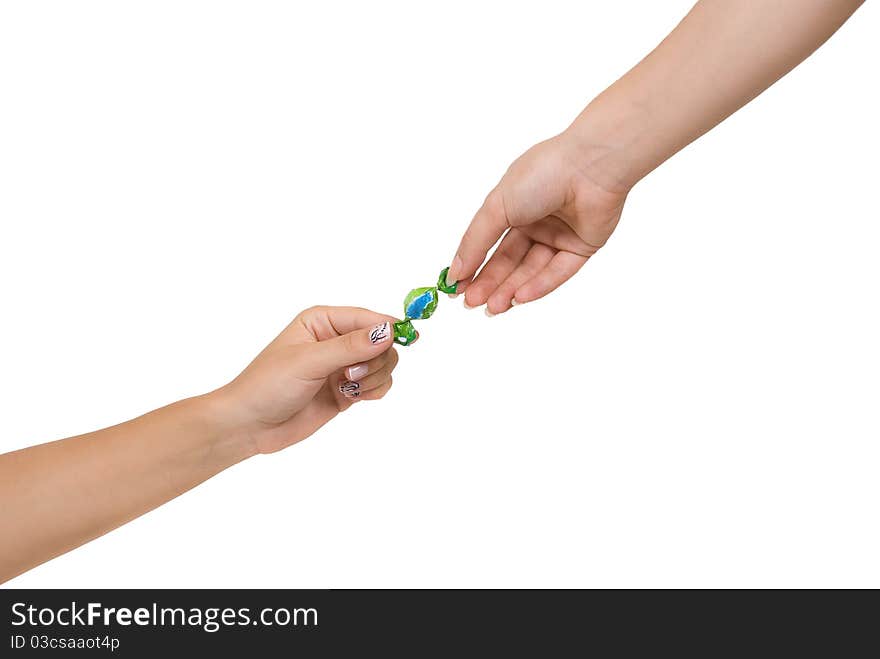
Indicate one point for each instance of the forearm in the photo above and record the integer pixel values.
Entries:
(59, 495)
(721, 56)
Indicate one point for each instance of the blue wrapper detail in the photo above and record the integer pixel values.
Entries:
(417, 306)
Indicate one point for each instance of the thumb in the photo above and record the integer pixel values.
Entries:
(320, 359)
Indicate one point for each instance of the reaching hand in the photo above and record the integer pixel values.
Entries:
(553, 215)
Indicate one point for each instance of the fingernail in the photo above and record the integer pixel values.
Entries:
(513, 302)
(489, 314)
(357, 371)
(448, 280)
(380, 333)
(456, 266)
(452, 296)
(350, 389)
(467, 306)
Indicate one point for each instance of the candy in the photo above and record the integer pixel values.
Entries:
(420, 303)
(405, 333)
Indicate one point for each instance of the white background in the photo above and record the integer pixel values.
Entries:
(699, 407)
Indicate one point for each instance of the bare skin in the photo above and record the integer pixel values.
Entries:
(60, 495)
(556, 206)
(561, 200)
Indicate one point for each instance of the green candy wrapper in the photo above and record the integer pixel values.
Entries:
(443, 286)
(404, 333)
(420, 303)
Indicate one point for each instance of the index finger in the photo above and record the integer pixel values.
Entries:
(485, 229)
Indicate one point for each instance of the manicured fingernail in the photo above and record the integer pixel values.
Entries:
(467, 306)
(380, 333)
(489, 314)
(350, 389)
(513, 302)
(456, 266)
(357, 371)
(449, 280)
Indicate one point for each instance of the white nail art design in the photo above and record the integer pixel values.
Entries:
(380, 333)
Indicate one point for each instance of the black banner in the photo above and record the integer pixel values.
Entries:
(413, 622)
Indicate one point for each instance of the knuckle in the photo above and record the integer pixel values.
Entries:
(467, 238)
(494, 204)
(493, 198)
(348, 343)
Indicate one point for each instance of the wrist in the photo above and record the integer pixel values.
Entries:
(231, 437)
(608, 141)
